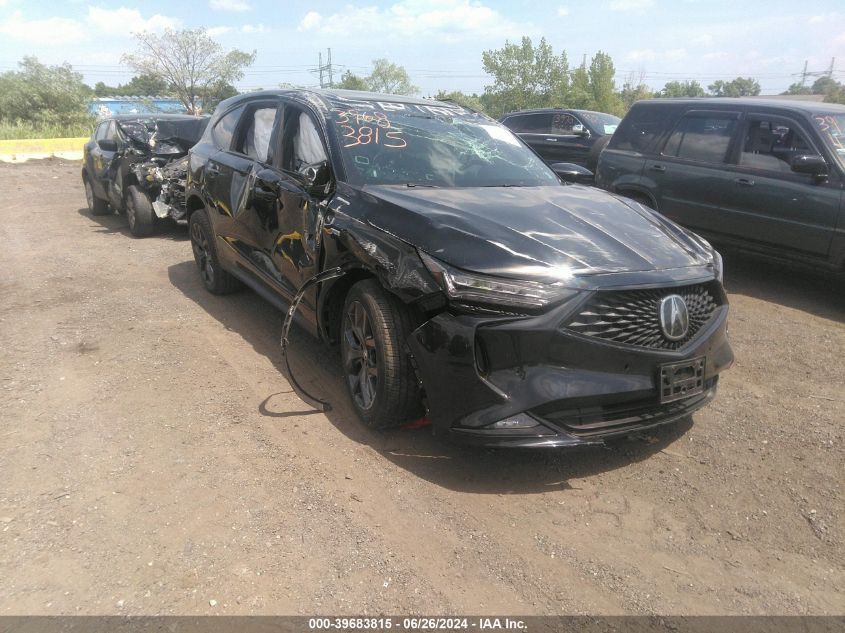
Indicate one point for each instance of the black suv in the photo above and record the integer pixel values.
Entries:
(564, 136)
(458, 275)
(761, 175)
(137, 164)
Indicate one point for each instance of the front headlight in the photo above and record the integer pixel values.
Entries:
(473, 288)
(719, 266)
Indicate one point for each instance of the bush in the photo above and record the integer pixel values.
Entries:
(41, 99)
(25, 129)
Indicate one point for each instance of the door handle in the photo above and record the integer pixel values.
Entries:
(658, 168)
(744, 182)
(552, 140)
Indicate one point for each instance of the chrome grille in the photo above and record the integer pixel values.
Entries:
(631, 317)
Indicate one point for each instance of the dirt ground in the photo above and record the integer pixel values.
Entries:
(154, 460)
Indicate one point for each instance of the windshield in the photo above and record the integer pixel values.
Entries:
(832, 128)
(599, 121)
(150, 132)
(436, 146)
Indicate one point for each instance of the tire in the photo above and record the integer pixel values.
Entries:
(139, 212)
(97, 206)
(376, 361)
(592, 160)
(216, 280)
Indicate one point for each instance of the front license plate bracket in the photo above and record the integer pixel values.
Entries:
(681, 380)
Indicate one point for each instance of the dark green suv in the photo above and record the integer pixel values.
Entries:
(764, 176)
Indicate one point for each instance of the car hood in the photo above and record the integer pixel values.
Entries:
(544, 233)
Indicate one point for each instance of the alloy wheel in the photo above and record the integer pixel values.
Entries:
(89, 194)
(202, 254)
(361, 360)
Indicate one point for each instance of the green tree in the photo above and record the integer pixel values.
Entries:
(390, 78)
(798, 89)
(138, 86)
(739, 87)
(351, 81)
(602, 85)
(40, 95)
(524, 76)
(580, 93)
(682, 89)
(634, 89)
(471, 101)
(189, 61)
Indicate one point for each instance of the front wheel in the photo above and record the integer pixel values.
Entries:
(376, 361)
(139, 212)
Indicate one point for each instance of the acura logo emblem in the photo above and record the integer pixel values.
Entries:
(674, 317)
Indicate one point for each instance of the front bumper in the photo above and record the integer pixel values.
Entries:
(581, 390)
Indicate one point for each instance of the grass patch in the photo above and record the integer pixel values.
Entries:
(25, 130)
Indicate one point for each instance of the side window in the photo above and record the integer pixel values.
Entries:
(641, 128)
(101, 131)
(563, 123)
(530, 123)
(302, 143)
(701, 137)
(254, 141)
(224, 129)
(771, 144)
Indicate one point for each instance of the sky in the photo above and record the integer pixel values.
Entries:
(440, 42)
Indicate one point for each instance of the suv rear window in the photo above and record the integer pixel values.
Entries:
(530, 123)
(224, 129)
(702, 137)
(641, 127)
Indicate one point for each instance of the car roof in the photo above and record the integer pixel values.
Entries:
(152, 115)
(809, 107)
(327, 95)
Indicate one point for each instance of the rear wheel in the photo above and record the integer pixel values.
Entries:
(592, 160)
(139, 212)
(97, 206)
(376, 362)
(214, 278)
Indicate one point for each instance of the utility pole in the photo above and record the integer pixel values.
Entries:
(804, 74)
(325, 70)
(830, 70)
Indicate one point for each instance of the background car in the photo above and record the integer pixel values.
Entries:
(563, 136)
(136, 164)
(764, 176)
(459, 277)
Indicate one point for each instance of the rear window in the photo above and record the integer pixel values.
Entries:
(702, 137)
(224, 129)
(641, 127)
(530, 123)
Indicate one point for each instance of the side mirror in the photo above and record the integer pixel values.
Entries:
(317, 177)
(580, 130)
(570, 172)
(107, 144)
(811, 164)
(266, 186)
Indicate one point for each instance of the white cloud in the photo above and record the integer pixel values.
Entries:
(122, 20)
(718, 55)
(562, 12)
(47, 32)
(821, 19)
(215, 31)
(674, 54)
(642, 55)
(311, 20)
(446, 19)
(254, 28)
(229, 5)
(631, 5)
